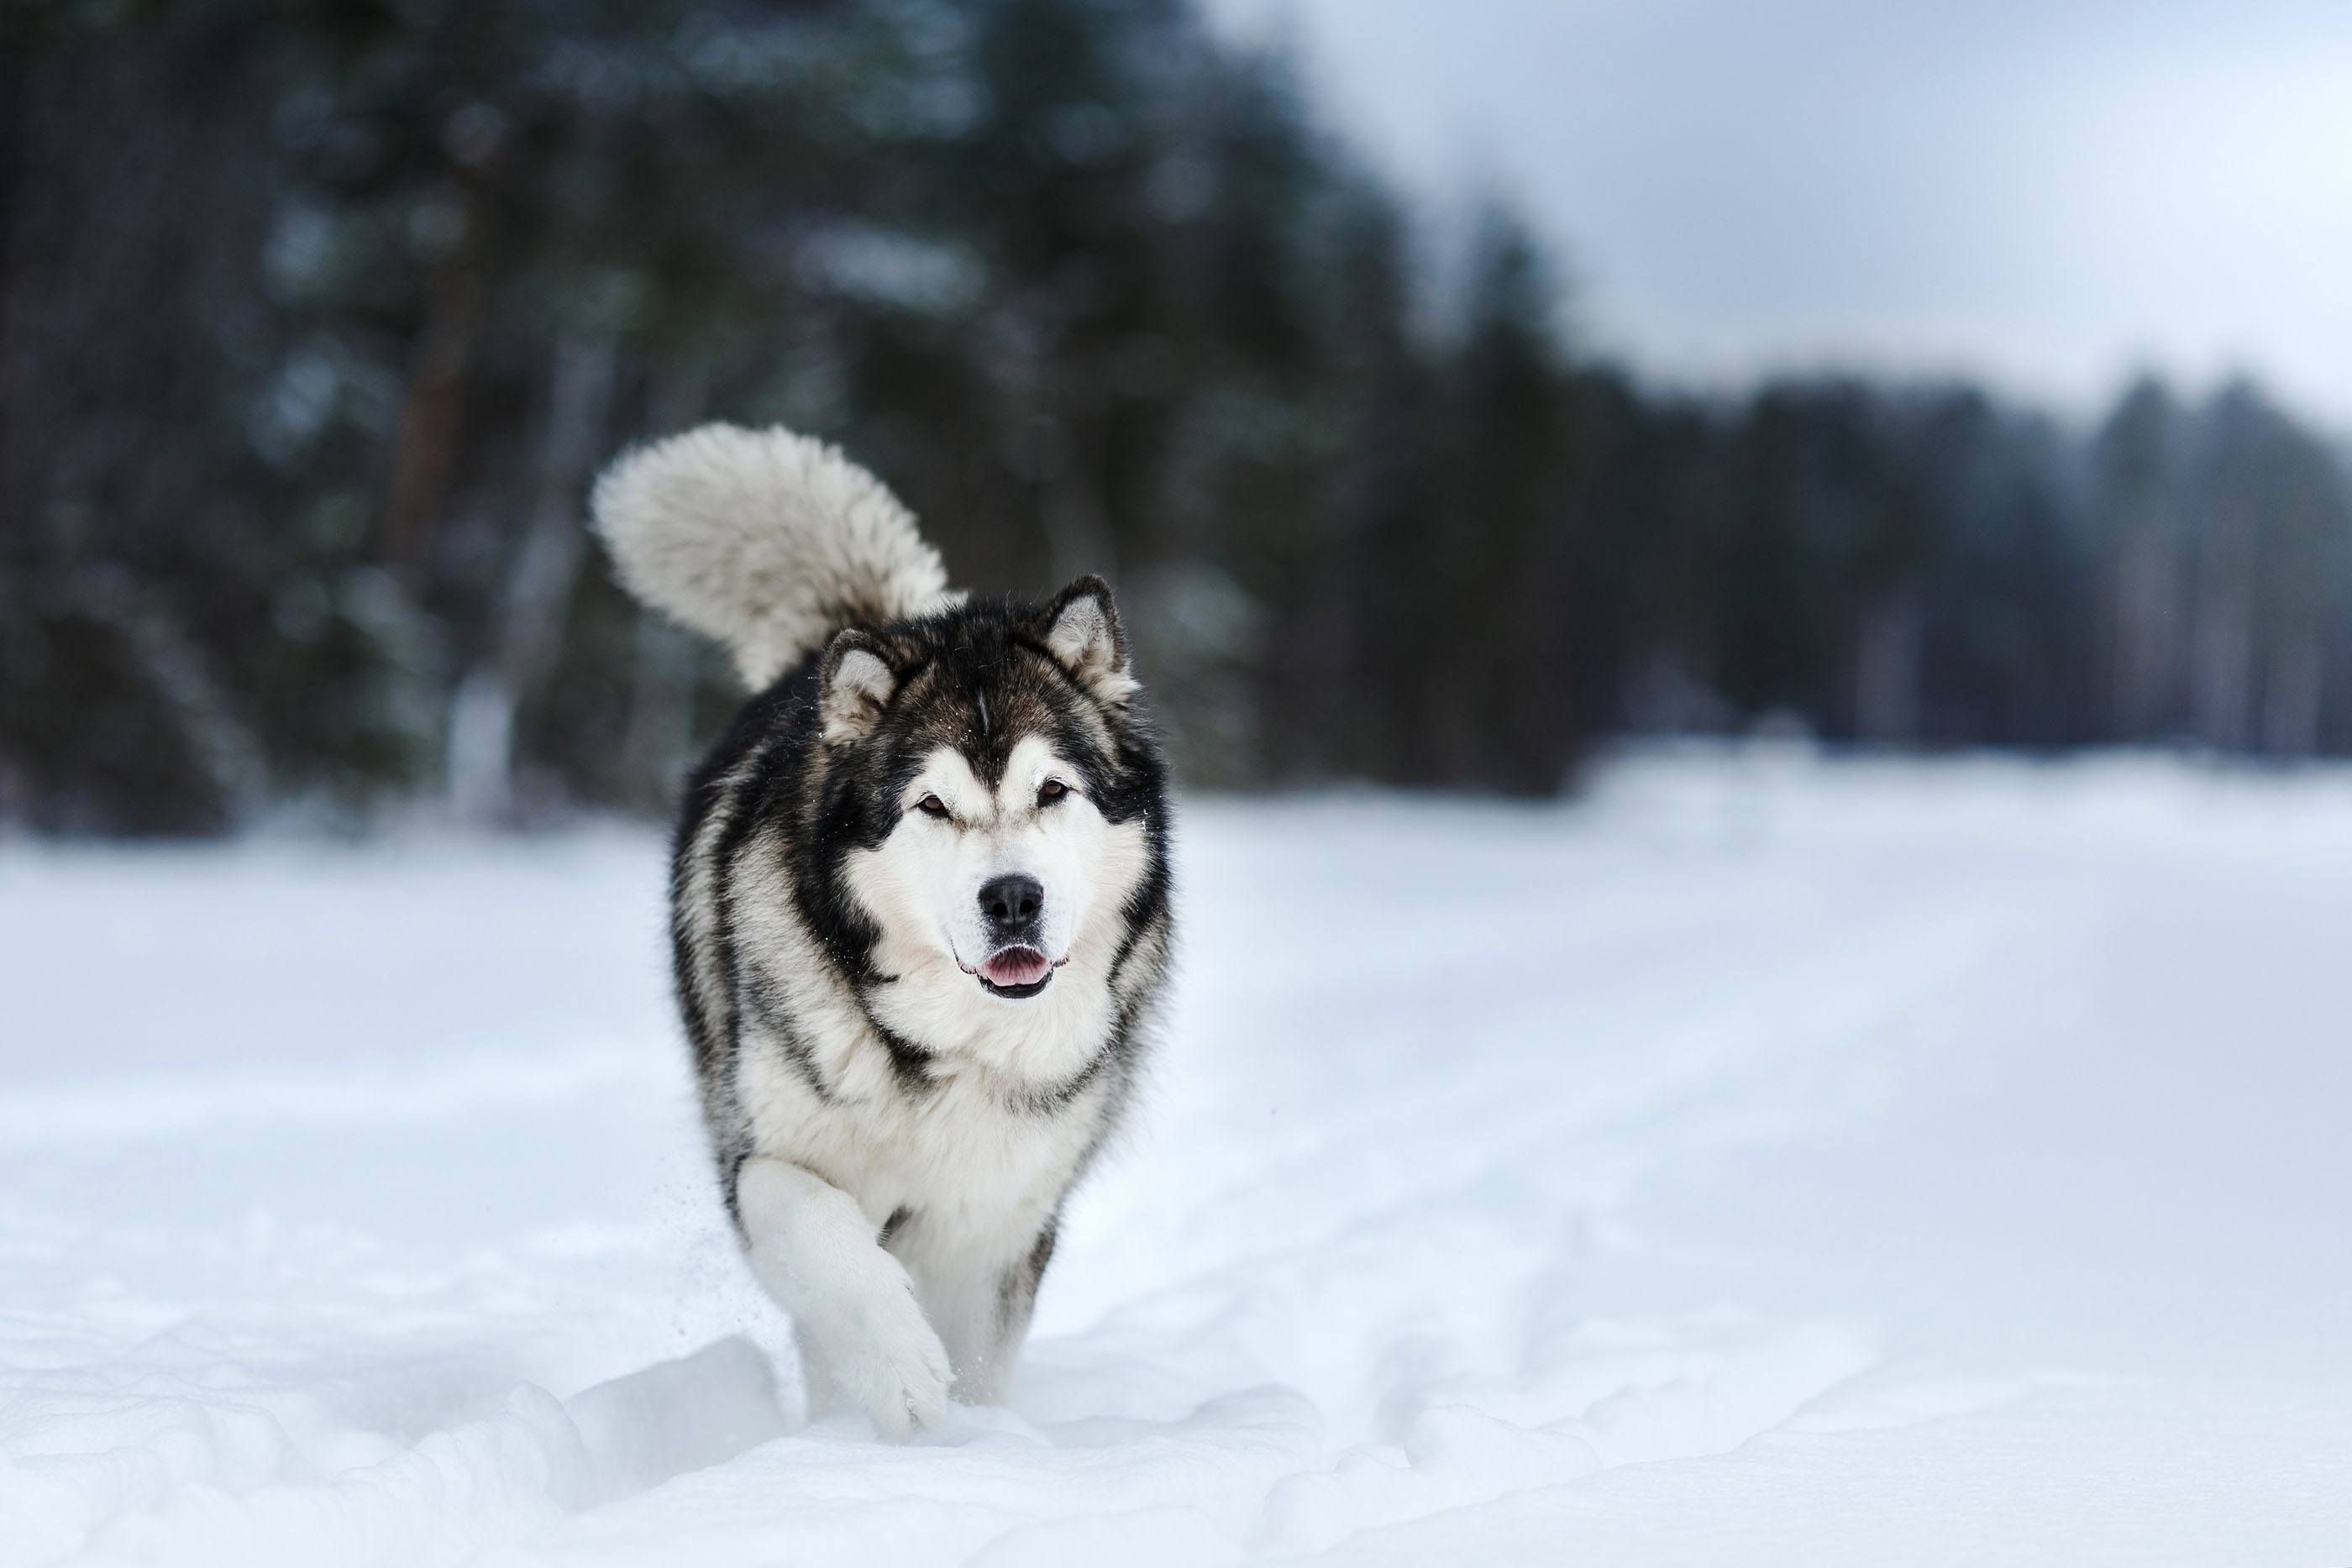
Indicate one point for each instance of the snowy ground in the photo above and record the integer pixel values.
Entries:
(1766, 1161)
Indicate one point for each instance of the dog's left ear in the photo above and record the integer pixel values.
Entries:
(1082, 630)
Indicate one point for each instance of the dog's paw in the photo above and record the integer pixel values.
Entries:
(871, 1352)
(888, 1362)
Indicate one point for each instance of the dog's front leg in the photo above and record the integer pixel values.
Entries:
(981, 1305)
(864, 1341)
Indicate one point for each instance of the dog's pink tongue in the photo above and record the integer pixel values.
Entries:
(1016, 967)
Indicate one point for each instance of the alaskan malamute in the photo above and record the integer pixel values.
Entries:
(919, 907)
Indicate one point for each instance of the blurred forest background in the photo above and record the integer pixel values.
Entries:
(316, 321)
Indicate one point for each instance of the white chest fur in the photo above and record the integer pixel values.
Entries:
(967, 1154)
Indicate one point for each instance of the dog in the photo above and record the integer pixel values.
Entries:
(920, 907)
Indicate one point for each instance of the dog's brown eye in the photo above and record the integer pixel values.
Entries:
(930, 806)
(1051, 790)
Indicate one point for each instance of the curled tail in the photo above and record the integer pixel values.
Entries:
(767, 541)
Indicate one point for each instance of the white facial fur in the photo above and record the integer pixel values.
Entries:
(922, 888)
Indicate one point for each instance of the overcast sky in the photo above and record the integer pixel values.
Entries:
(2045, 195)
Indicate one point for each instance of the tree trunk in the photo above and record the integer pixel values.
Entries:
(2145, 649)
(2291, 703)
(531, 630)
(1887, 643)
(2220, 700)
(427, 445)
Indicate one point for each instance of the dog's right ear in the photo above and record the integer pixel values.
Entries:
(854, 687)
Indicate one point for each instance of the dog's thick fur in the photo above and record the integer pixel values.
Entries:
(919, 907)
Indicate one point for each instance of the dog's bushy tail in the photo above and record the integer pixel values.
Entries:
(768, 541)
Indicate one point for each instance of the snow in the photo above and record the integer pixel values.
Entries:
(1765, 1159)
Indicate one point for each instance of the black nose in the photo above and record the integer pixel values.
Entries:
(1010, 902)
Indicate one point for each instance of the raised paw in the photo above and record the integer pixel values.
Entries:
(885, 1361)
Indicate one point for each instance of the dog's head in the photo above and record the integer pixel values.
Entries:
(994, 804)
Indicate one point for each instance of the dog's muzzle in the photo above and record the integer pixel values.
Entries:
(1012, 909)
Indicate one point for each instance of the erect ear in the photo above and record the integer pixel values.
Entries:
(853, 687)
(1083, 632)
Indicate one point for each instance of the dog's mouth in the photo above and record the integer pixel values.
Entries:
(1014, 972)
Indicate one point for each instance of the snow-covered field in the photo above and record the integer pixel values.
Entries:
(1763, 1161)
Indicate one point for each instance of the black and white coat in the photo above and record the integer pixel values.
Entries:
(920, 907)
